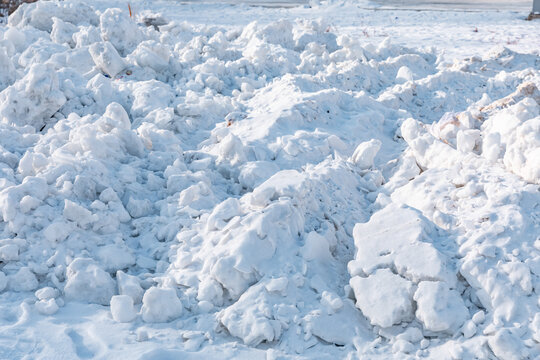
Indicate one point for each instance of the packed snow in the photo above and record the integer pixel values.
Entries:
(281, 189)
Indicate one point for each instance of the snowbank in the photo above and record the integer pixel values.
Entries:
(280, 185)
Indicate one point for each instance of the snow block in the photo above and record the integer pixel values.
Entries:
(439, 308)
(87, 282)
(384, 297)
(161, 305)
(395, 238)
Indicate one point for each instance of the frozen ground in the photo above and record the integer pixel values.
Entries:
(326, 182)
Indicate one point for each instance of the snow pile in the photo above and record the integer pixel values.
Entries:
(277, 184)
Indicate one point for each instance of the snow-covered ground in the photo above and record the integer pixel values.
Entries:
(209, 181)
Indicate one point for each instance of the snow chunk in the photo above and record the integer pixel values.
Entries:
(7, 69)
(87, 282)
(47, 306)
(222, 213)
(118, 27)
(150, 95)
(139, 208)
(122, 309)
(9, 252)
(33, 99)
(316, 248)
(107, 58)
(160, 305)
(210, 291)
(116, 115)
(404, 74)
(365, 153)
(23, 280)
(277, 285)
(115, 256)
(129, 285)
(384, 297)
(439, 308)
(254, 173)
(28, 203)
(62, 32)
(46, 293)
(251, 318)
(3, 281)
(506, 346)
(283, 183)
(76, 213)
(338, 328)
(394, 237)
(58, 231)
(152, 54)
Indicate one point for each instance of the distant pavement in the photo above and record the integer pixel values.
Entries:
(471, 5)
(448, 5)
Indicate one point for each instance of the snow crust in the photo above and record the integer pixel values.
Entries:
(278, 190)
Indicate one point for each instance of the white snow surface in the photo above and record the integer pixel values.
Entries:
(187, 183)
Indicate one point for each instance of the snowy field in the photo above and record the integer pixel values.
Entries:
(214, 181)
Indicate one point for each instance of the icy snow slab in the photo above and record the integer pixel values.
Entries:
(393, 258)
(384, 297)
(399, 238)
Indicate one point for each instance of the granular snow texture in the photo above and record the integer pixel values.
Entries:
(275, 190)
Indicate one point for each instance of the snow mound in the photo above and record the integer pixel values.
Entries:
(285, 185)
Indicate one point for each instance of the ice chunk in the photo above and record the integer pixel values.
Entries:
(384, 298)
(122, 309)
(87, 282)
(160, 305)
(439, 308)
